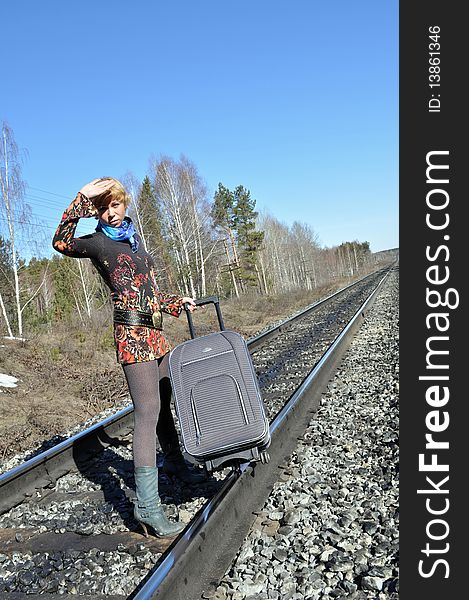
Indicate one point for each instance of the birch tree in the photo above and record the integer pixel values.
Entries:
(272, 254)
(12, 207)
(290, 256)
(5, 277)
(306, 252)
(166, 185)
(206, 246)
(16, 225)
(181, 196)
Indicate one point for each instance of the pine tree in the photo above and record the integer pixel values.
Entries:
(223, 216)
(148, 212)
(223, 208)
(249, 240)
(152, 223)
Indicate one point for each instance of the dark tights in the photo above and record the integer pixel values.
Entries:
(150, 390)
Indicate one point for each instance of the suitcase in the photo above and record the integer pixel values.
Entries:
(217, 398)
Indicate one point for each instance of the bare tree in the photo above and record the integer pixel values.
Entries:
(199, 210)
(182, 198)
(16, 219)
(171, 198)
(5, 276)
(5, 317)
(12, 206)
(290, 256)
(133, 187)
(306, 254)
(273, 258)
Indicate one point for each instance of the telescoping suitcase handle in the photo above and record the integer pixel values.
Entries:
(200, 302)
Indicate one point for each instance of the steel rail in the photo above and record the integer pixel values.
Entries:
(43, 469)
(199, 557)
(277, 329)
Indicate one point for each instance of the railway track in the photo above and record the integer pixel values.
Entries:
(66, 516)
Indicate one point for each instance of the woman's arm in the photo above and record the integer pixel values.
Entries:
(81, 207)
(64, 240)
(173, 304)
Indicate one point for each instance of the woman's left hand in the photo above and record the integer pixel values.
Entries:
(191, 304)
(96, 188)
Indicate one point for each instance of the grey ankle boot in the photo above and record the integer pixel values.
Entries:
(147, 507)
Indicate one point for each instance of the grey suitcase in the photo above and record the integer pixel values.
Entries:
(217, 398)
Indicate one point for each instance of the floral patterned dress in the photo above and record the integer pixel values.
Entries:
(130, 276)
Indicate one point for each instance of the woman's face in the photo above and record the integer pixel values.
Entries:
(111, 213)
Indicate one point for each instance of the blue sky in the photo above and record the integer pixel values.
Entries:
(297, 101)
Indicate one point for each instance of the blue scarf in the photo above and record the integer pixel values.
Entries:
(125, 232)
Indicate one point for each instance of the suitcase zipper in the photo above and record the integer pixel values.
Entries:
(198, 433)
(189, 362)
(243, 408)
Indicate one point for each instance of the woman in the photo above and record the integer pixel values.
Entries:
(116, 251)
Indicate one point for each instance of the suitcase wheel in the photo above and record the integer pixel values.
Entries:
(265, 457)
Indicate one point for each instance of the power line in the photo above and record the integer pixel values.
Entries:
(19, 222)
(24, 222)
(47, 192)
(44, 215)
(39, 202)
(43, 201)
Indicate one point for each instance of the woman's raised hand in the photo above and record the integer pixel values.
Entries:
(96, 188)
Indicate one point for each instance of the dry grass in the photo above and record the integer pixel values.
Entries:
(67, 375)
(54, 370)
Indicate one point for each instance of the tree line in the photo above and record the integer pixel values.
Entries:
(200, 245)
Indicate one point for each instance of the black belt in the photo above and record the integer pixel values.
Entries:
(139, 319)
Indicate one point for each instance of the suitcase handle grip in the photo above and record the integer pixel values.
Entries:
(200, 302)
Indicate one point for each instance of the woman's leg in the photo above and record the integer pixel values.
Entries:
(141, 379)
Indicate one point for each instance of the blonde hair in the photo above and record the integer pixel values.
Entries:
(116, 192)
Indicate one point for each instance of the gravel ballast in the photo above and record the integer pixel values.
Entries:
(328, 530)
(330, 526)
